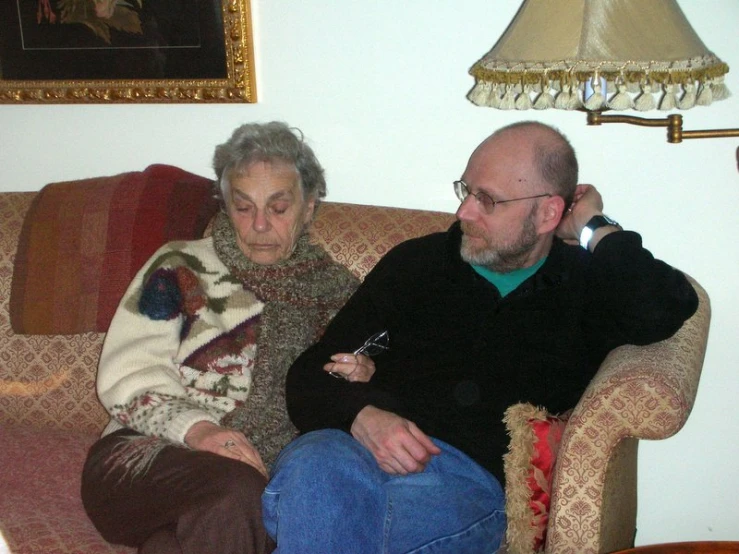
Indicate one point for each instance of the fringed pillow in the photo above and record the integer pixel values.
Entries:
(528, 465)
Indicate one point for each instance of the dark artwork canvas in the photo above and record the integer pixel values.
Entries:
(111, 39)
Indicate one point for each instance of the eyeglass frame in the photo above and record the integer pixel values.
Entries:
(462, 190)
(373, 346)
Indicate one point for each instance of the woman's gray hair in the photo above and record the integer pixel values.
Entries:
(266, 142)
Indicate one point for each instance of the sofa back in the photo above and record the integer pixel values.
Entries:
(49, 380)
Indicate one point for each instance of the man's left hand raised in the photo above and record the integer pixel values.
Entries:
(586, 203)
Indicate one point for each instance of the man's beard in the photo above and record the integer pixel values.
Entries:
(506, 257)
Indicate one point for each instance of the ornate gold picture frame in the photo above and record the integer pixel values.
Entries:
(126, 51)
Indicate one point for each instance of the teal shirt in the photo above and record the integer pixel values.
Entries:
(507, 282)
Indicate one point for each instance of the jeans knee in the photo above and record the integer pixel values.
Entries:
(323, 461)
(323, 450)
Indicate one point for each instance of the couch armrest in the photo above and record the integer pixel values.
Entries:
(639, 392)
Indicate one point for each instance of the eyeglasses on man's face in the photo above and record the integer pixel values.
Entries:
(484, 200)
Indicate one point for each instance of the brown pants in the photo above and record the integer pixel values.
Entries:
(186, 502)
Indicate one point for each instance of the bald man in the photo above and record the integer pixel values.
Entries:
(520, 300)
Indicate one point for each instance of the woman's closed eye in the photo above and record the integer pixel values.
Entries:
(242, 205)
(279, 208)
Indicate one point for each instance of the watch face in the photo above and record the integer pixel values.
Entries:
(598, 221)
(585, 236)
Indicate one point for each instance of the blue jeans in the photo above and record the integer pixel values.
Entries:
(327, 495)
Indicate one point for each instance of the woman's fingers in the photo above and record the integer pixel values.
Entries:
(210, 437)
(239, 447)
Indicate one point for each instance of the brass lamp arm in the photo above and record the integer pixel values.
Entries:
(673, 122)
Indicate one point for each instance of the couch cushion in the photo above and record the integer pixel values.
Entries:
(528, 465)
(45, 380)
(83, 241)
(40, 506)
(358, 235)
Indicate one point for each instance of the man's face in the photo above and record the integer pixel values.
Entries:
(508, 238)
(503, 250)
(266, 206)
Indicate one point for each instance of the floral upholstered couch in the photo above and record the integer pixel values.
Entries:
(67, 251)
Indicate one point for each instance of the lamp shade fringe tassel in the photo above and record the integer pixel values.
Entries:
(617, 96)
(545, 100)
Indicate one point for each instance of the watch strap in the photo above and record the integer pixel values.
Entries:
(596, 222)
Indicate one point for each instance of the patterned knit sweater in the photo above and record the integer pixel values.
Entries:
(194, 340)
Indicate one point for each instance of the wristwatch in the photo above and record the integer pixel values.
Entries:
(596, 222)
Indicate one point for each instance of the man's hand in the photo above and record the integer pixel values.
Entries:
(352, 367)
(397, 444)
(586, 204)
(208, 436)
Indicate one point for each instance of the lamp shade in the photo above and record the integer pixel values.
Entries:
(599, 54)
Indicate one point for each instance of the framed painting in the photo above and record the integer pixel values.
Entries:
(126, 51)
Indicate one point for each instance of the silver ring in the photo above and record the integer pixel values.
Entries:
(337, 375)
(229, 443)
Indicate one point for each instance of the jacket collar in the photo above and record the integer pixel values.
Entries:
(555, 271)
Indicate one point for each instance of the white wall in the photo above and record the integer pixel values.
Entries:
(379, 88)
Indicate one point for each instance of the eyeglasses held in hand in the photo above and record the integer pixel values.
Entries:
(484, 200)
(376, 344)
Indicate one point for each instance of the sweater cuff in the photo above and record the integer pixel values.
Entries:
(622, 241)
(179, 427)
(376, 398)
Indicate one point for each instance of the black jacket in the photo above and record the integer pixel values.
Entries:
(460, 354)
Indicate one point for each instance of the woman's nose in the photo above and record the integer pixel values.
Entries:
(261, 222)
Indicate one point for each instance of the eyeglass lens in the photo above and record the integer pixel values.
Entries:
(462, 191)
(376, 344)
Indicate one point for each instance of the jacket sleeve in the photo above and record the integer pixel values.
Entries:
(633, 298)
(315, 399)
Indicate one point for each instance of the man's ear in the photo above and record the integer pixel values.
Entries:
(550, 214)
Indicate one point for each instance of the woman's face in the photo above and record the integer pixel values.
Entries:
(266, 206)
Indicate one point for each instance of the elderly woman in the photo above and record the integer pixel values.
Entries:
(193, 366)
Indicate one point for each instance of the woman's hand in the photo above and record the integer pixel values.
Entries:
(352, 367)
(208, 436)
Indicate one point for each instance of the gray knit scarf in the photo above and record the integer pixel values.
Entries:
(301, 295)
